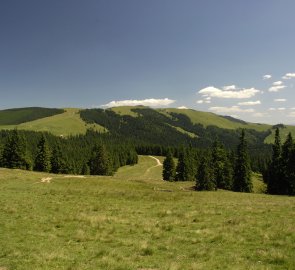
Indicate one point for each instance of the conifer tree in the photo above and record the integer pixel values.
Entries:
(14, 153)
(291, 176)
(42, 160)
(274, 174)
(99, 162)
(205, 176)
(286, 166)
(222, 168)
(85, 169)
(185, 170)
(242, 173)
(169, 168)
(58, 163)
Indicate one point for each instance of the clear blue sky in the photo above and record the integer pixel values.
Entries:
(202, 54)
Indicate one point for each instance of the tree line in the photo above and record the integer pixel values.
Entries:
(280, 172)
(215, 169)
(84, 154)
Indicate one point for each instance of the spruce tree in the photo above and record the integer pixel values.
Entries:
(169, 168)
(242, 173)
(14, 154)
(205, 176)
(99, 162)
(58, 163)
(274, 173)
(185, 170)
(291, 176)
(286, 166)
(85, 169)
(222, 168)
(42, 160)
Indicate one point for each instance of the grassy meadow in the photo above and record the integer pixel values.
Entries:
(135, 220)
(64, 124)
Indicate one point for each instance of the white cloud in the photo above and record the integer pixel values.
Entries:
(277, 83)
(266, 77)
(212, 91)
(272, 109)
(152, 102)
(281, 109)
(276, 88)
(229, 87)
(200, 101)
(288, 76)
(280, 100)
(249, 103)
(207, 98)
(182, 108)
(232, 109)
(291, 114)
(260, 114)
(292, 108)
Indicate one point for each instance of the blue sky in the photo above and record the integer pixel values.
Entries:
(201, 54)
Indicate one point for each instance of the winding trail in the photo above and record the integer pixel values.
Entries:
(158, 164)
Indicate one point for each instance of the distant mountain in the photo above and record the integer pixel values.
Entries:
(141, 124)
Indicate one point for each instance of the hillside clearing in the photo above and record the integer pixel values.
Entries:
(128, 222)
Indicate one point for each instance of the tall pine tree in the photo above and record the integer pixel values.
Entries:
(169, 168)
(42, 160)
(58, 162)
(205, 176)
(242, 173)
(100, 163)
(14, 154)
(222, 168)
(185, 170)
(273, 176)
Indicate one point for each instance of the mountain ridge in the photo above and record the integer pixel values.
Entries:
(68, 121)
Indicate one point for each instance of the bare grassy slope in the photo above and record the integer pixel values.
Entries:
(67, 123)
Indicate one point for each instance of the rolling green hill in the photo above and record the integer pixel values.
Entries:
(68, 121)
(211, 119)
(22, 115)
(63, 124)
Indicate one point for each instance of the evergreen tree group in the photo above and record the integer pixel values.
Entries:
(280, 174)
(83, 154)
(14, 154)
(213, 169)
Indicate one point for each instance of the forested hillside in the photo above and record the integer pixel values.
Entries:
(22, 115)
(145, 126)
(148, 131)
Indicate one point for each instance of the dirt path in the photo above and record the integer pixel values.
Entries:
(158, 161)
(46, 179)
(158, 164)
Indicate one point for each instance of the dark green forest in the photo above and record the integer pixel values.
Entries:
(32, 150)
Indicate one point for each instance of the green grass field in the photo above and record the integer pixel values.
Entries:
(135, 220)
(65, 124)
